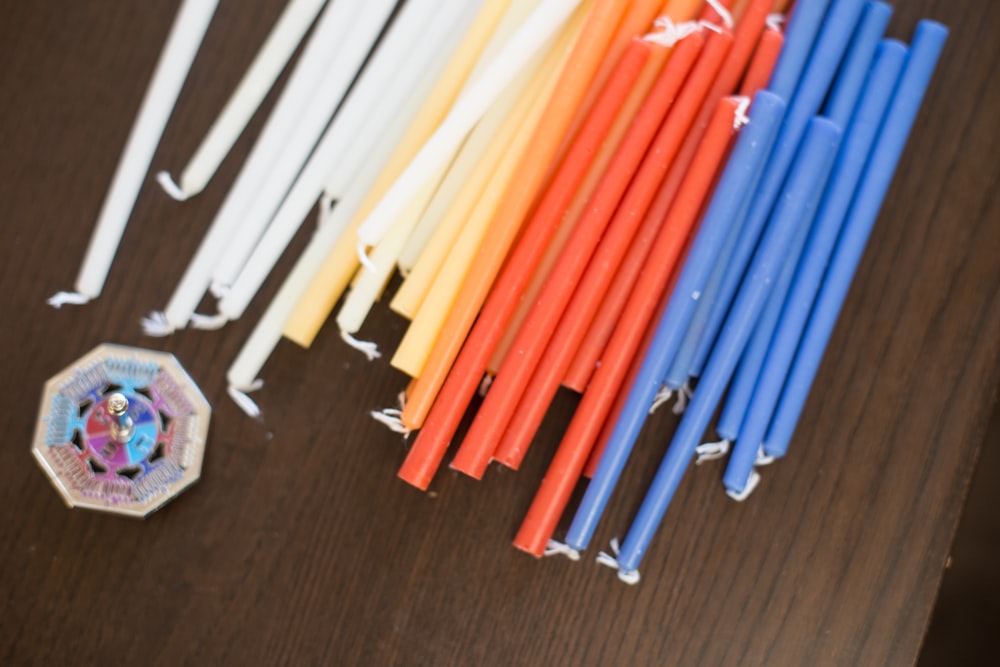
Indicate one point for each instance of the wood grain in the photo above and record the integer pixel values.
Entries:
(299, 545)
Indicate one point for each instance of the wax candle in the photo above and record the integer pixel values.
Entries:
(379, 85)
(739, 178)
(317, 56)
(924, 53)
(568, 462)
(804, 25)
(765, 57)
(752, 422)
(478, 446)
(412, 352)
(854, 72)
(819, 72)
(542, 24)
(583, 62)
(812, 166)
(725, 83)
(274, 54)
(607, 250)
(171, 70)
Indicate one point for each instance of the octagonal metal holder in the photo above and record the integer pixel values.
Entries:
(122, 430)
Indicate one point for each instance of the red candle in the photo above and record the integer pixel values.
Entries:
(645, 135)
(764, 59)
(576, 289)
(745, 39)
(575, 447)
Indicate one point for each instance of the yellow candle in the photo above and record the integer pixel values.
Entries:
(416, 345)
(340, 266)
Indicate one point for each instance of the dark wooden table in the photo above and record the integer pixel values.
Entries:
(300, 546)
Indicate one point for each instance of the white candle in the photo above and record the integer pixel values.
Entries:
(333, 26)
(375, 85)
(171, 70)
(470, 107)
(282, 41)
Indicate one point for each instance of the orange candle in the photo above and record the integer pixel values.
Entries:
(745, 39)
(764, 59)
(496, 411)
(570, 458)
(427, 452)
(576, 299)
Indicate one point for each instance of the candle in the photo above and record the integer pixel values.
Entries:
(475, 452)
(171, 70)
(544, 22)
(831, 45)
(413, 350)
(738, 180)
(605, 249)
(842, 100)
(329, 32)
(568, 462)
(583, 62)
(439, 149)
(282, 41)
(765, 57)
(749, 425)
(458, 195)
(812, 166)
(725, 83)
(379, 85)
(806, 22)
(909, 93)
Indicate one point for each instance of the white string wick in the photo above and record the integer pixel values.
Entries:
(670, 33)
(241, 398)
(683, 397)
(740, 118)
(763, 458)
(556, 548)
(60, 299)
(367, 348)
(775, 21)
(364, 258)
(710, 451)
(485, 384)
(724, 14)
(170, 186)
(390, 418)
(630, 577)
(208, 322)
(218, 290)
(752, 482)
(662, 397)
(156, 325)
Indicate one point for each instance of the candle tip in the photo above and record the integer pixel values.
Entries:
(557, 548)
(630, 577)
(710, 451)
(169, 186)
(60, 299)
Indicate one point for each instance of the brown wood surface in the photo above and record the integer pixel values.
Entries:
(300, 546)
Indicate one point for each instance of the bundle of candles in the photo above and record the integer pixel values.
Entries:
(629, 199)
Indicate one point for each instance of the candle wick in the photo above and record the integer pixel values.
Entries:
(391, 419)
(752, 482)
(683, 397)
(557, 548)
(630, 577)
(60, 299)
(170, 186)
(218, 290)
(156, 325)
(485, 384)
(710, 451)
(241, 398)
(763, 458)
(662, 396)
(364, 258)
(367, 348)
(724, 14)
(775, 21)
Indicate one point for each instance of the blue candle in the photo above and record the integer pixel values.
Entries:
(857, 63)
(802, 30)
(823, 63)
(738, 180)
(857, 145)
(812, 166)
(840, 106)
(924, 53)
